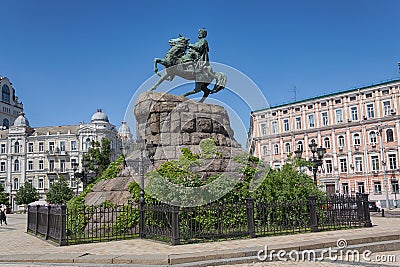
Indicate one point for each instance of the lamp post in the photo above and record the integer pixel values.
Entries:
(385, 182)
(316, 160)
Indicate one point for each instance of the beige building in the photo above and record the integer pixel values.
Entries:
(41, 155)
(360, 129)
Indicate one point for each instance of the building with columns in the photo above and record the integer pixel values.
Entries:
(40, 155)
(360, 129)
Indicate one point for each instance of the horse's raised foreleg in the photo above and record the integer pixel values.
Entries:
(156, 61)
(206, 92)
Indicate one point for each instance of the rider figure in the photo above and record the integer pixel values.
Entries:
(201, 47)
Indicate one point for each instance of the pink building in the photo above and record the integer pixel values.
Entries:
(360, 129)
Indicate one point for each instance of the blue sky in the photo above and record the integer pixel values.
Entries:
(68, 58)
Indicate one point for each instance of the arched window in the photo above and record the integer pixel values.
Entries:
(300, 146)
(389, 135)
(276, 149)
(341, 140)
(16, 165)
(6, 124)
(5, 93)
(87, 143)
(287, 148)
(16, 147)
(15, 184)
(327, 142)
(356, 139)
(372, 137)
(265, 150)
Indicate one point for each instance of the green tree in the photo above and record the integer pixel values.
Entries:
(98, 156)
(26, 194)
(59, 192)
(3, 196)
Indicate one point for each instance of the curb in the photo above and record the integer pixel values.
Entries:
(378, 243)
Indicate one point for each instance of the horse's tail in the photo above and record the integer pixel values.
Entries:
(220, 82)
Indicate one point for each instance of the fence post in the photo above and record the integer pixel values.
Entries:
(47, 222)
(29, 219)
(250, 217)
(367, 216)
(63, 231)
(313, 214)
(36, 219)
(176, 240)
(142, 219)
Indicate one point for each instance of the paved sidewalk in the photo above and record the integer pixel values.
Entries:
(18, 246)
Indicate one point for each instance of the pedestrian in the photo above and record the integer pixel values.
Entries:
(3, 212)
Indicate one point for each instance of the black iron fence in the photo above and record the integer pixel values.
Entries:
(215, 221)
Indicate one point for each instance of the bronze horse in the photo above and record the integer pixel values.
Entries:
(187, 65)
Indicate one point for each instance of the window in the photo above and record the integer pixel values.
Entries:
(274, 127)
(298, 123)
(287, 148)
(297, 109)
(311, 121)
(285, 111)
(73, 162)
(339, 116)
(395, 187)
(73, 183)
(2, 166)
(30, 180)
(372, 137)
(377, 188)
(370, 111)
(356, 139)
(51, 165)
(345, 187)
(276, 149)
(263, 132)
(41, 183)
(341, 141)
(389, 135)
(62, 164)
(16, 165)
(30, 147)
(386, 108)
(353, 98)
(361, 187)
(328, 166)
(392, 160)
(5, 93)
(354, 113)
(264, 148)
(368, 95)
(15, 184)
(30, 165)
(343, 165)
(6, 124)
(73, 145)
(358, 164)
(41, 146)
(277, 166)
(327, 143)
(51, 146)
(41, 164)
(324, 118)
(62, 145)
(16, 147)
(286, 125)
(323, 104)
(3, 148)
(375, 163)
(338, 101)
(310, 106)
(300, 146)
(385, 92)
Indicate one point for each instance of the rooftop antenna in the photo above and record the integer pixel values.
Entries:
(294, 91)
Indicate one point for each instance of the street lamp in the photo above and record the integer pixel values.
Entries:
(316, 160)
(384, 166)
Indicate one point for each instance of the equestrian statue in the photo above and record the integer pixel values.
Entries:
(191, 62)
